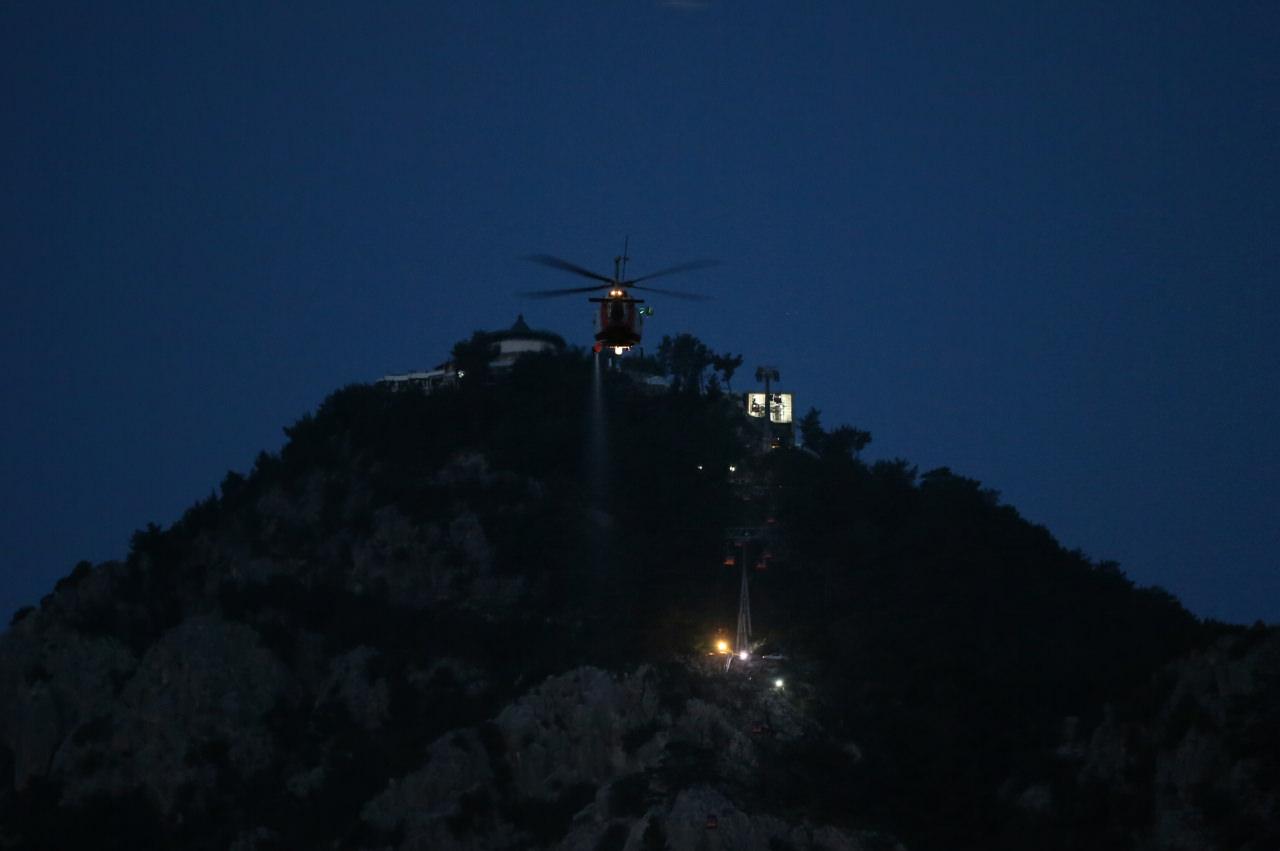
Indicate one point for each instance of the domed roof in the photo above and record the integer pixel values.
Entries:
(520, 330)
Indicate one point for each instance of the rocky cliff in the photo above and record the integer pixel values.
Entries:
(414, 628)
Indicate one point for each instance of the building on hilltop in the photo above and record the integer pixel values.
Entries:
(520, 340)
(507, 346)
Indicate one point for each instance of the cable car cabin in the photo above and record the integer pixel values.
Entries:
(712, 823)
(618, 321)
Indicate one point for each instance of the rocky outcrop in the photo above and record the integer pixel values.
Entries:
(574, 731)
(1190, 763)
(54, 682)
(195, 705)
(367, 699)
(577, 764)
(415, 628)
(422, 565)
(701, 818)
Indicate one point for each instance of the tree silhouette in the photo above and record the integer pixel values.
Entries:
(810, 426)
(727, 364)
(846, 440)
(685, 358)
(472, 357)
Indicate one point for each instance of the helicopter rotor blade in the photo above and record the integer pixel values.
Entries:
(671, 270)
(564, 265)
(569, 291)
(672, 293)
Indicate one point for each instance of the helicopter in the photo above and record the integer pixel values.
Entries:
(620, 317)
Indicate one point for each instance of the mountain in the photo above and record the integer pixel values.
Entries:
(485, 617)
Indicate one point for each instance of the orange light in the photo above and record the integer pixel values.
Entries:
(722, 646)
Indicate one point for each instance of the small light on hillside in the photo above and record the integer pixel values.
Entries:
(722, 646)
(778, 683)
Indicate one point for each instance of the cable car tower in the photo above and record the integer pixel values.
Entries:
(767, 374)
(742, 644)
(740, 540)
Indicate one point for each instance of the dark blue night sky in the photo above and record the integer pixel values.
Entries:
(1037, 245)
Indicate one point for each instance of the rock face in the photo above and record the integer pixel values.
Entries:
(53, 683)
(201, 694)
(577, 763)
(654, 758)
(416, 628)
(702, 817)
(1204, 770)
(320, 688)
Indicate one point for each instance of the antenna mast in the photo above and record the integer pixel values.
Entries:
(620, 262)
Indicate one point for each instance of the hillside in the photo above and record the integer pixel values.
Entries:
(484, 618)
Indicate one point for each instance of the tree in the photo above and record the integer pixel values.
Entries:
(472, 357)
(811, 432)
(684, 358)
(846, 440)
(726, 364)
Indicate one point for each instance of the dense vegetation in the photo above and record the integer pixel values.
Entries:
(934, 627)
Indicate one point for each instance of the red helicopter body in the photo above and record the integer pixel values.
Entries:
(619, 319)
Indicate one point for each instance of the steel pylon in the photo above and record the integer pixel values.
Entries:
(743, 641)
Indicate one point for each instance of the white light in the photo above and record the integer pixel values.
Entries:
(777, 683)
(743, 655)
(699, 466)
(617, 350)
(732, 469)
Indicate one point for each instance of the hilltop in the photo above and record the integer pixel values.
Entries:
(483, 617)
